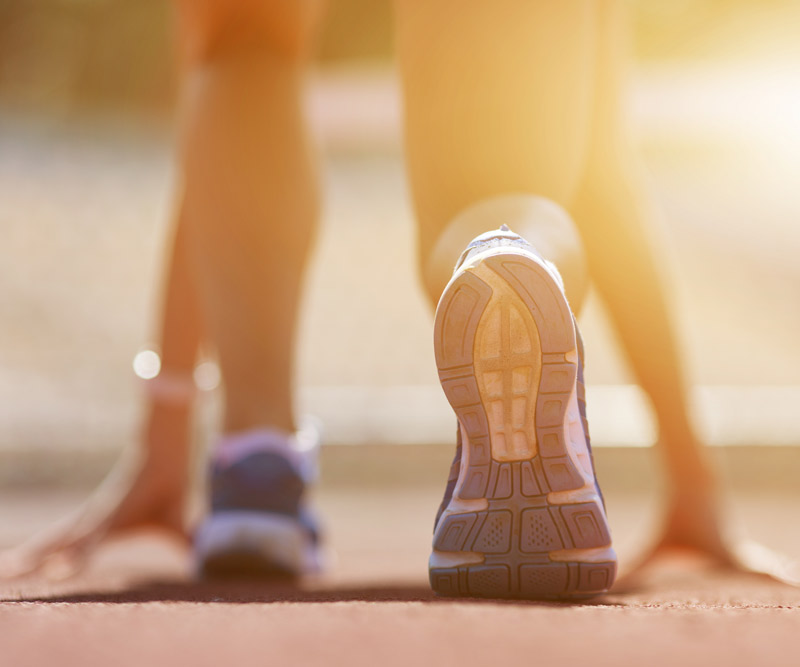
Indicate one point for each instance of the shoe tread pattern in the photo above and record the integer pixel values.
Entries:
(520, 528)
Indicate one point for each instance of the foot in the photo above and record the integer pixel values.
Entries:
(522, 515)
(259, 524)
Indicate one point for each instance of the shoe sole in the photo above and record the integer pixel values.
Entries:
(526, 519)
(253, 544)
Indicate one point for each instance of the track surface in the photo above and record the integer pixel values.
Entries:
(136, 606)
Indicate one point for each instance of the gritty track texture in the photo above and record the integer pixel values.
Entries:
(694, 619)
(375, 602)
(507, 357)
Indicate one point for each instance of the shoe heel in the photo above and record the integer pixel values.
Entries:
(536, 581)
(238, 543)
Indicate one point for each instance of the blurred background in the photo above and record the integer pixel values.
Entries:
(87, 93)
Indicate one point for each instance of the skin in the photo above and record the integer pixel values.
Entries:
(500, 132)
(147, 490)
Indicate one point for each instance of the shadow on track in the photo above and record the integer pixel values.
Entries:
(253, 591)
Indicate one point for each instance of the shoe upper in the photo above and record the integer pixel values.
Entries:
(262, 471)
(503, 237)
(452, 478)
(261, 482)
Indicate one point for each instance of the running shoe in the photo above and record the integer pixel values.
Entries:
(259, 524)
(522, 515)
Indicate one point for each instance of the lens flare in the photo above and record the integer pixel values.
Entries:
(147, 364)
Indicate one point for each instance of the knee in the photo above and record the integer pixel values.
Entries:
(213, 29)
(540, 221)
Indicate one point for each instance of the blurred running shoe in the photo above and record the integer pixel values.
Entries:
(259, 524)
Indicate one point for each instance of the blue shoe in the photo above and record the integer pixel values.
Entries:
(259, 524)
(522, 515)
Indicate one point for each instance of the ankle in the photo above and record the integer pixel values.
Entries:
(246, 415)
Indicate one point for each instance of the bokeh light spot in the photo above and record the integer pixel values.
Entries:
(207, 376)
(147, 364)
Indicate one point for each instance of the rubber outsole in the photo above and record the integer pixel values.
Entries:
(243, 565)
(253, 545)
(526, 519)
